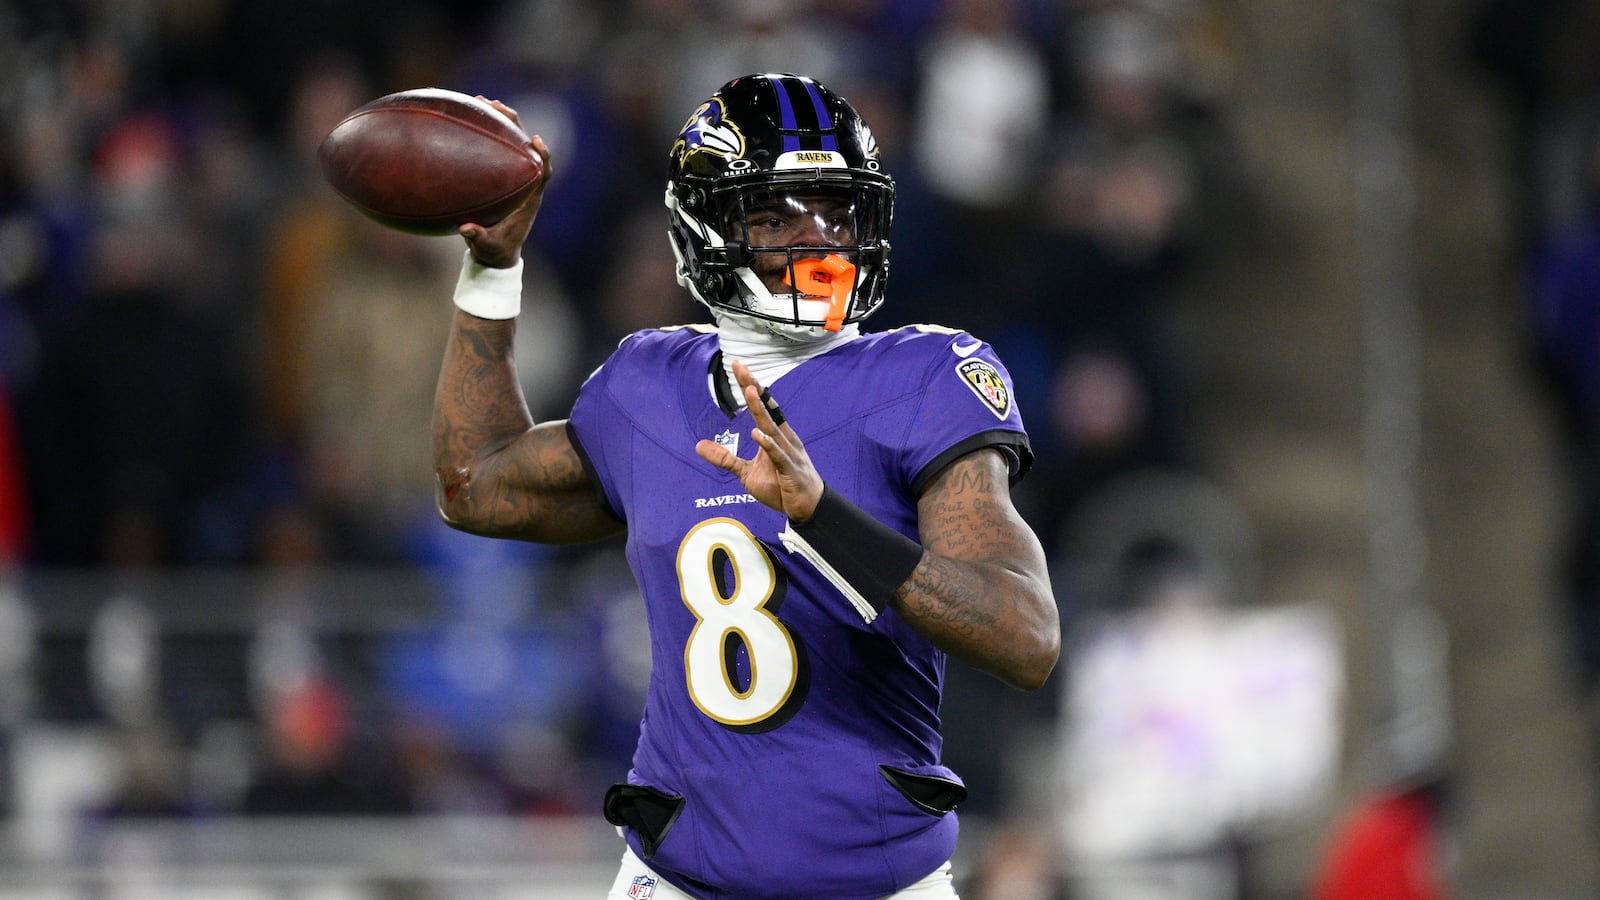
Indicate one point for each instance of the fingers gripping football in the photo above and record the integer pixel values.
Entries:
(500, 245)
(781, 475)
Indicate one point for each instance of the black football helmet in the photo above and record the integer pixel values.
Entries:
(758, 143)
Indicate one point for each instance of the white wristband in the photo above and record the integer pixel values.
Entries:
(489, 293)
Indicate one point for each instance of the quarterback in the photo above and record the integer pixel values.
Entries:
(817, 516)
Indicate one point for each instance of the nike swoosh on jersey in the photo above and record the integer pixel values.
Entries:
(965, 350)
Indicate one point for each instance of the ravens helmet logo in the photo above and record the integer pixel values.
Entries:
(708, 131)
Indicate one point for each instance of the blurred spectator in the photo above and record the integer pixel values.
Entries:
(43, 240)
(644, 293)
(15, 520)
(1145, 73)
(125, 665)
(983, 106)
(312, 767)
(484, 692)
(130, 456)
(974, 141)
(1135, 179)
(767, 36)
(19, 655)
(1563, 312)
(1540, 53)
(1387, 846)
(310, 232)
(318, 753)
(368, 360)
(1016, 865)
(151, 783)
(1190, 721)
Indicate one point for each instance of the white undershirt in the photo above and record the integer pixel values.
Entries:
(769, 357)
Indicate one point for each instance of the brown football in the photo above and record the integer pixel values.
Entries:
(425, 161)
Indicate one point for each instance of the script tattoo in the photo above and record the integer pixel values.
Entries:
(981, 592)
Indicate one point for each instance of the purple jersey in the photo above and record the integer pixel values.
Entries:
(772, 705)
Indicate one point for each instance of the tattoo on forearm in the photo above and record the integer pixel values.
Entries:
(480, 344)
(947, 598)
(965, 594)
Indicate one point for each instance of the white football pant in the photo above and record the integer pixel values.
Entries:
(637, 881)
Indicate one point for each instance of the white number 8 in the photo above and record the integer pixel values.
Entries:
(737, 611)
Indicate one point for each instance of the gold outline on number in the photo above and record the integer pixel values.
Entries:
(728, 602)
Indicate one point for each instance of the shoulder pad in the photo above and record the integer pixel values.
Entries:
(929, 329)
(644, 333)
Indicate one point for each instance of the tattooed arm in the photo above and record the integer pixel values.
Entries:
(982, 590)
(498, 473)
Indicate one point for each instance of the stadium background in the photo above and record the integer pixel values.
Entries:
(1259, 272)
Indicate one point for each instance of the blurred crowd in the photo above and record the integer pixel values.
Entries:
(1540, 57)
(208, 360)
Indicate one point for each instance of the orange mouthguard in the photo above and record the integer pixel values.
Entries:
(833, 273)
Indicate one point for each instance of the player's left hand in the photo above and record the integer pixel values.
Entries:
(781, 474)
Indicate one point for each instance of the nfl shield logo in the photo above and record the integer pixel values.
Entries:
(728, 439)
(642, 888)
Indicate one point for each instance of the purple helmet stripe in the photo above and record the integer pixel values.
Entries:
(829, 141)
(791, 141)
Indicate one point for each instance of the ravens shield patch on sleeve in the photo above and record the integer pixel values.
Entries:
(985, 381)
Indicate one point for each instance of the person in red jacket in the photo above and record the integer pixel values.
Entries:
(1387, 848)
(14, 525)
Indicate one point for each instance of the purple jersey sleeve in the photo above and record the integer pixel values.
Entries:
(965, 402)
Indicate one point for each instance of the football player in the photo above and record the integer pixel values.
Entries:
(816, 515)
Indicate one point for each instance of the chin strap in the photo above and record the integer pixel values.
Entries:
(837, 278)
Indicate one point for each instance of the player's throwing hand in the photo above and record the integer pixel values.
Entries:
(500, 245)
